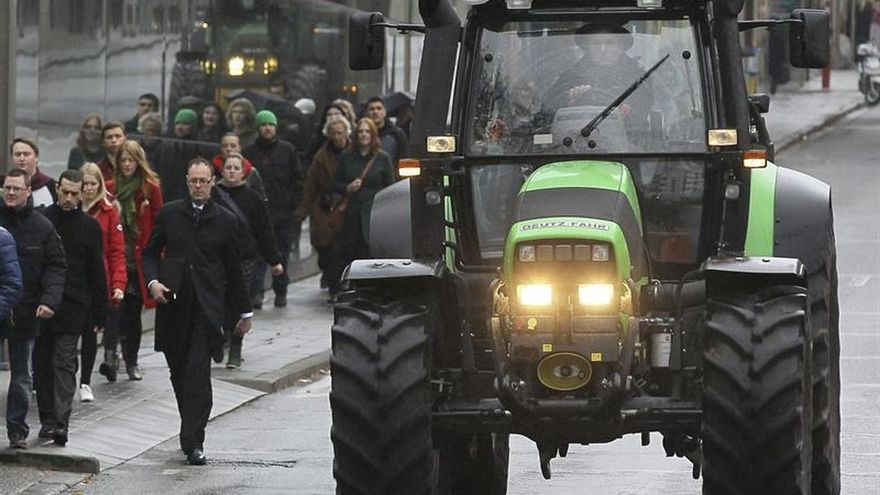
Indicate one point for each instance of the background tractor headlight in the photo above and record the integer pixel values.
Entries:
(595, 294)
(235, 66)
(601, 252)
(534, 294)
(527, 254)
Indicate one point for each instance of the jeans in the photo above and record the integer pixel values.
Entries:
(111, 336)
(130, 326)
(21, 383)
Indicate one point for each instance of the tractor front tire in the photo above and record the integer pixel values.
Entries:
(380, 395)
(825, 332)
(757, 393)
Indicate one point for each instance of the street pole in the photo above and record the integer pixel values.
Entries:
(9, 11)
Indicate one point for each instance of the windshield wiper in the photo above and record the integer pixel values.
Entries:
(589, 128)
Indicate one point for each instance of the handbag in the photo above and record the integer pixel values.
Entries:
(336, 217)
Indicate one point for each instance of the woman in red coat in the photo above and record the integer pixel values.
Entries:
(136, 188)
(98, 204)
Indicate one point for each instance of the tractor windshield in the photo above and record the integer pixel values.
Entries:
(537, 84)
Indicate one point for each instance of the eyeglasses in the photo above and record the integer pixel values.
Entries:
(198, 181)
(13, 189)
(92, 127)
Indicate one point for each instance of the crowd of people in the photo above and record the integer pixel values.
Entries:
(188, 221)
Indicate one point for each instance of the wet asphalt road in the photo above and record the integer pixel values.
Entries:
(280, 443)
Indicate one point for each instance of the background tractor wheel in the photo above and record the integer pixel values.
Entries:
(474, 465)
(757, 393)
(380, 396)
(188, 79)
(825, 332)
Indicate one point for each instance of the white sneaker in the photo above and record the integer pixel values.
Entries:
(85, 393)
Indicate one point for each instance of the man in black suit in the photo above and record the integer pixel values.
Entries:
(198, 275)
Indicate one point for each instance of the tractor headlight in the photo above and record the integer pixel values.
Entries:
(527, 254)
(601, 252)
(534, 294)
(595, 294)
(235, 66)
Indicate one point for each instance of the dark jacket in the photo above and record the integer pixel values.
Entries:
(169, 158)
(318, 195)
(78, 156)
(10, 275)
(360, 204)
(394, 141)
(85, 286)
(43, 189)
(43, 265)
(282, 174)
(260, 236)
(202, 255)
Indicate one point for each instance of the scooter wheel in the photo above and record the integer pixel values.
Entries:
(873, 94)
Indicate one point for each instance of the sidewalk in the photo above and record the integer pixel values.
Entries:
(797, 113)
(129, 418)
(286, 345)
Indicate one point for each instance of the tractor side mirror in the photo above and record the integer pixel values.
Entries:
(809, 39)
(761, 102)
(366, 41)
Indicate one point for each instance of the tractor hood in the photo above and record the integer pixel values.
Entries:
(580, 200)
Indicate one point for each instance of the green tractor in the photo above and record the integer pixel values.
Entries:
(593, 241)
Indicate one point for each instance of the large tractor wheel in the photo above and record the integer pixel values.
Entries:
(188, 79)
(757, 393)
(380, 396)
(825, 332)
(474, 465)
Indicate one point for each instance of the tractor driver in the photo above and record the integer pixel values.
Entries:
(602, 74)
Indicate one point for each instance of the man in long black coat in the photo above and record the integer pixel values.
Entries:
(85, 295)
(200, 273)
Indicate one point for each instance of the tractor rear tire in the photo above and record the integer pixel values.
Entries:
(757, 393)
(474, 465)
(188, 79)
(825, 332)
(380, 395)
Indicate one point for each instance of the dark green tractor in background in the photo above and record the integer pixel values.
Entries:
(593, 241)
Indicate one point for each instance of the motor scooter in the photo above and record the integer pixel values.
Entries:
(868, 59)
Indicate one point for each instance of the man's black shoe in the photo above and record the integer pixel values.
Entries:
(196, 458)
(59, 436)
(108, 371)
(217, 355)
(280, 301)
(47, 431)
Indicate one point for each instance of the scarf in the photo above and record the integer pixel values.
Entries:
(126, 190)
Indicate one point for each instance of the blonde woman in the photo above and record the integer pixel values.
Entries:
(97, 203)
(136, 188)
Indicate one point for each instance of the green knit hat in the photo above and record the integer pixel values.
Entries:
(186, 116)
(266, 117)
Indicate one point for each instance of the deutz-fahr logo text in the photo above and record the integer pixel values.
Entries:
(572, 224)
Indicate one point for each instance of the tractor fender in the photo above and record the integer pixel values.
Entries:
(390, 222)
(803, 219)
(390, 269)
(723, 272)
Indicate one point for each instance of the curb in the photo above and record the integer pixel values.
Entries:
(58, 462)
(828, 121)
(286, 376)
